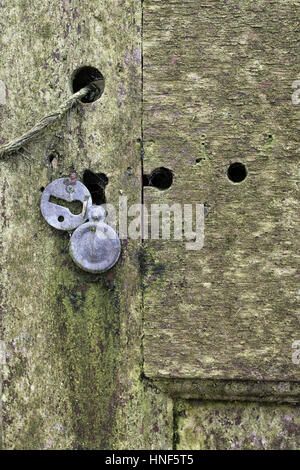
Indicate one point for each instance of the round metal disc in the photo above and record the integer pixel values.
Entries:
(95, 247)
(61, 217)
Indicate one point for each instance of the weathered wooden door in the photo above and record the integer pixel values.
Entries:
(145, 355)
(218, 112)
(221, 321)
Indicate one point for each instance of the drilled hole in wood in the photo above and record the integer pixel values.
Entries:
(160, 178)
(85, 76)
(96, 182)
(237, 172)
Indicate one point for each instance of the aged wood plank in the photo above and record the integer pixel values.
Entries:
(217, 90)
(232, 426)
(72, 340)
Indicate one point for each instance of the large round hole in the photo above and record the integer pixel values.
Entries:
(88, 76)
(160, 178)
(237, 172)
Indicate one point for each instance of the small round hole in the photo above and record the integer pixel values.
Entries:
(160, 178)
(84, 76)
(60, 218)
(237, 172)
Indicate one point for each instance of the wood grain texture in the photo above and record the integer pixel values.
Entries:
(72, 372)
(217, 89)
(232, 426)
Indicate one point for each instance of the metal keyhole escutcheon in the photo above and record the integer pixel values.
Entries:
(61, 217)
(94, 246)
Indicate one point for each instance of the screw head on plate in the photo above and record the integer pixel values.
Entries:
(95, 247)
(97, 213)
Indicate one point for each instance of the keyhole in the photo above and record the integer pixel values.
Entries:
(75, 207)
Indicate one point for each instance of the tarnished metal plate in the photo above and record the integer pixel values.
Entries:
(61, 217)
(95, 247)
